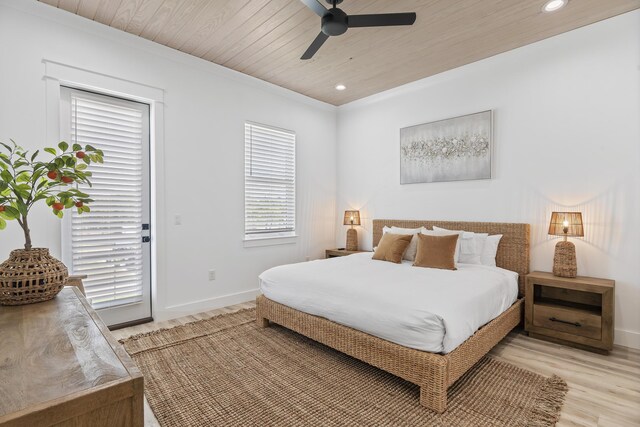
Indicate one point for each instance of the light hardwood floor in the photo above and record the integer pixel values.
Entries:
(604, 391)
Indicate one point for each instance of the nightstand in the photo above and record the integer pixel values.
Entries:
(332, 253)
(578, 312)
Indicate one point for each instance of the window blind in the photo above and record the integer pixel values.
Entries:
(269, 180)
(106, 243)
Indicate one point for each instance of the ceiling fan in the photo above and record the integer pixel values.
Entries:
(336, 22)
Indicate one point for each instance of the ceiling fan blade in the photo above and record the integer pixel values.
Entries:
(381, 20)
(317, 43)
(314, 5)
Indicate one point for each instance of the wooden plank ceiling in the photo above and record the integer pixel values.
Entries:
(265, 38)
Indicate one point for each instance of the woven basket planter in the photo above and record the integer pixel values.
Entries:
(30, 276)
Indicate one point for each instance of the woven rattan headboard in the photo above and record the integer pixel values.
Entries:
(513, 251)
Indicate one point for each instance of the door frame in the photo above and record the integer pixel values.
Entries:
(56, 75)
(108, 314)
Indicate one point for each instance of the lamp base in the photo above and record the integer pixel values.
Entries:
(564, 260)
(352, 240)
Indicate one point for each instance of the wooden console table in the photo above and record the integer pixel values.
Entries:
(59, 365)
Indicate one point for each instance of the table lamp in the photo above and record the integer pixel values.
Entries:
(565, 224)
(352, 218)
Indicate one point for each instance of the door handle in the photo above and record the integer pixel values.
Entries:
(146, 239)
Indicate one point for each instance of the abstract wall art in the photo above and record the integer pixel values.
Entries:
(453, 149)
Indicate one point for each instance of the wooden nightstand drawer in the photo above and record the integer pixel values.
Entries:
(572, 321)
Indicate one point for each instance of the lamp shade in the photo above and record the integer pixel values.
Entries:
(566, 224)
(351, 217)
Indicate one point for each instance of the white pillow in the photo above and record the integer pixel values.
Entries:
(490, 250)
(471, 245)
(443, 232)
(489, 247)
(410, 252)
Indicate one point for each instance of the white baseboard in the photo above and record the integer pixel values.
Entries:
(625, 338)
(179, 310)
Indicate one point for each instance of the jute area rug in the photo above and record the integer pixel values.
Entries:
(225, 371)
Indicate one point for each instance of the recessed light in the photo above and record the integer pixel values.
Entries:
(340, 87)
(553, 5)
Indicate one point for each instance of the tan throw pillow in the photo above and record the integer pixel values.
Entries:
(436, 251)
(456, 256)
(392, 247)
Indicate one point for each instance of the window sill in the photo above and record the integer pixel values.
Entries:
(252, 242)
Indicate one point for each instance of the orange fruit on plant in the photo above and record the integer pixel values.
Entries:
(81, 154)
(79, 204)
(58, 206)
(52, 175)
(66, 179)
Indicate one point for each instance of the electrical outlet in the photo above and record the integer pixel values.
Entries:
(212, 275)
(177, 220)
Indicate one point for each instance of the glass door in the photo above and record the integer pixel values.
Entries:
(111, 244)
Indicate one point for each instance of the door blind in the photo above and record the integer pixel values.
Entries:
(269, 180)
(106, 243)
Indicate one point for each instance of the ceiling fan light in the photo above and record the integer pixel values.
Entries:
(340, 86)
(335, 21)
(553, 5)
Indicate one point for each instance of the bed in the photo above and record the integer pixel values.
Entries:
(432, 368)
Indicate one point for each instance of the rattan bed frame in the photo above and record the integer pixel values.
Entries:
(433, 373)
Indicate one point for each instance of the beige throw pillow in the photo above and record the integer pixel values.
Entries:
(448, 233)
(436, 251)
(392, 247)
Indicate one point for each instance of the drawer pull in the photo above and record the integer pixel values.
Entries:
(577, 324)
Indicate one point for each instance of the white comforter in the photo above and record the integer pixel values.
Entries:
(422, 308)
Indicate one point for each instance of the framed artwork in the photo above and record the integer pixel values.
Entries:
(455, 149)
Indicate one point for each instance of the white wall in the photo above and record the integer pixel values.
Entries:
(566, 128)
(566, 137)
(205, 109)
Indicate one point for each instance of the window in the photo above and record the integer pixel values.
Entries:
(269, 182)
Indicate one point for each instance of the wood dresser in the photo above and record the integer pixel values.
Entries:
(59, 365)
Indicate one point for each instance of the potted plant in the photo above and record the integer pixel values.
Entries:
(32, 274)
